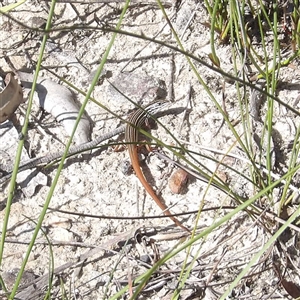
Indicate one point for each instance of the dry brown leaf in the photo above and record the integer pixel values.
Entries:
(10, 97)
(291, 288)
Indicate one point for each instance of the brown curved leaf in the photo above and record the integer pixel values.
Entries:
(10, 97)
(291, 288)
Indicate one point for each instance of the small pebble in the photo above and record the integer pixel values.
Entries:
(178, 181)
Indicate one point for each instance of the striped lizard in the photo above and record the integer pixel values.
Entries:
(135, 121)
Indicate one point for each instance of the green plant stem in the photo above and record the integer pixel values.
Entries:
(214, 56)
(275, 75)
(12, 6)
